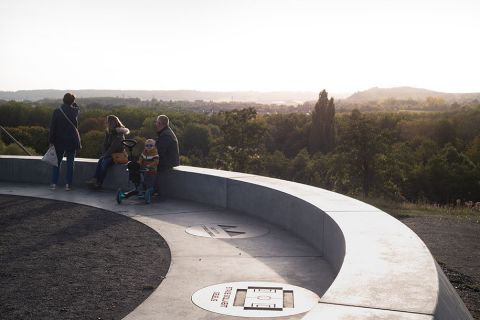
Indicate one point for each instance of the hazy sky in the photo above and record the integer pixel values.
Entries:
(265, 45)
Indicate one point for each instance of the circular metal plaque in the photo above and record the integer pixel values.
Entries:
(226, 230)
(255, 299)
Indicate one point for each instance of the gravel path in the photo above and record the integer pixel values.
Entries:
(455, 244)
(60, 260)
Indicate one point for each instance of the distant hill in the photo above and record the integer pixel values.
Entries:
(406, 93)
(274, 97)
(277, 97)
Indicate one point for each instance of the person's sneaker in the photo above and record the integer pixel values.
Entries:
(53, 186)
(67, 187)
(97, 186)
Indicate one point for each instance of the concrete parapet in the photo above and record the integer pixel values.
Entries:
(383, 270)
(33, 170)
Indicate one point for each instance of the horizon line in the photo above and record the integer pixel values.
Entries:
(242, 90)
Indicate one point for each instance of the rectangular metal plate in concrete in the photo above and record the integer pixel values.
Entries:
(263, 298)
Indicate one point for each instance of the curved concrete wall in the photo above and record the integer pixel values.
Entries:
(383, 270)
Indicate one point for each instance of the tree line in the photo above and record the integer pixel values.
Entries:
(432, 157)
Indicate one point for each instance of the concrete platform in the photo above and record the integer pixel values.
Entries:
(198, 262)
(374, 266)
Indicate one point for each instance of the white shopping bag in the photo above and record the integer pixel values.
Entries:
(50, 157)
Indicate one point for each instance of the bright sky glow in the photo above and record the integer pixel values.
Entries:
(262, 45)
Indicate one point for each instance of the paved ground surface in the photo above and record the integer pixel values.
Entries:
(455, 244)
(198, 262)
(60, 260)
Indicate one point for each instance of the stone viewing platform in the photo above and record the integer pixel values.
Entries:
(250, 246)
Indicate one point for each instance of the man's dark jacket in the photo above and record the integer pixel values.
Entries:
(62, 134)
(167, 146)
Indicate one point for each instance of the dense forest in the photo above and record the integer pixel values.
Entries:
(415, 156)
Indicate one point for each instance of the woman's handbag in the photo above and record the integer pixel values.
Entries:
(50, 157)
(120, 157)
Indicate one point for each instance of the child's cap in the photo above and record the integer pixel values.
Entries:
(149, 144)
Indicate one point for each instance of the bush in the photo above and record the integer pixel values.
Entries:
(13, 149)
(35, 137)
(92, 143)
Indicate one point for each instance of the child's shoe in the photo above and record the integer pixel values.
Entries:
(53, 186)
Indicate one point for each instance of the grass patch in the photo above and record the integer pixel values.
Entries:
(410, 209)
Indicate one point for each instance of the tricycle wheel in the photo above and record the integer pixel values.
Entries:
(120, 196)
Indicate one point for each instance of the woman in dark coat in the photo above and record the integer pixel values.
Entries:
(65, 137)
(112, 143)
